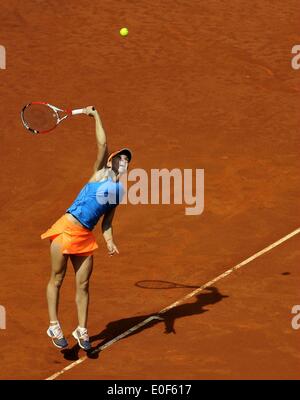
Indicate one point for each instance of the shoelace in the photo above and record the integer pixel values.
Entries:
(83, 335)
(56, 329)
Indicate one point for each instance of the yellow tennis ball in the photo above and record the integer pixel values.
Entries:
(123, 31)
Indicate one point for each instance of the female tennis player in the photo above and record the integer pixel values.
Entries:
(71, 236)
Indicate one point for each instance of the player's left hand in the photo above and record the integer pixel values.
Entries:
(112, 248)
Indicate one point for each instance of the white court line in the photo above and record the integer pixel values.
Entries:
(153, 317)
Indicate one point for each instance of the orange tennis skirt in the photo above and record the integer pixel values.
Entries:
(74, 239)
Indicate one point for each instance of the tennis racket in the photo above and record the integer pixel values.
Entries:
(41, 117)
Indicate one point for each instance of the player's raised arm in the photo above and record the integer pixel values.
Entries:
(101, 139)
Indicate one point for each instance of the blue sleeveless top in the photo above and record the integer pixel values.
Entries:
(94, 200)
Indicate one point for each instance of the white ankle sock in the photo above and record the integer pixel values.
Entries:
(81, 329)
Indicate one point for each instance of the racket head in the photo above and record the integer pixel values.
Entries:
(40, 117)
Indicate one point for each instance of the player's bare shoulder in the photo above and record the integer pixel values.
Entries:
(99, 175)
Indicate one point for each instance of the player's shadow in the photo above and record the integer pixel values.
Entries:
(168, 318)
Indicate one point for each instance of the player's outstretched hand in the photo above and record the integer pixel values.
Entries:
(90, 110)
(112, 248)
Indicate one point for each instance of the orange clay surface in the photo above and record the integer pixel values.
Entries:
(194, 85)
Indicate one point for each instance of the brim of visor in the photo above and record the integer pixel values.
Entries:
(124, 151)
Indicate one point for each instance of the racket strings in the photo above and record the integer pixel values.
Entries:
(39, 118)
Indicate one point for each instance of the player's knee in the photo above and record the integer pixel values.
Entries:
(83, 286)
(57, 281)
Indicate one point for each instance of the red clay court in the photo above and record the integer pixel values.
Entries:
(194, 85)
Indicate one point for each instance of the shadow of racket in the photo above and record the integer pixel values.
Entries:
(157, 284)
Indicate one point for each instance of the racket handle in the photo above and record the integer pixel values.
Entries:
(78, 111)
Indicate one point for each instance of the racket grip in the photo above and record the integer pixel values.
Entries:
(78, 111)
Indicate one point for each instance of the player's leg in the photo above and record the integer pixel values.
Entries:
(83, 267)
(58, 271)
